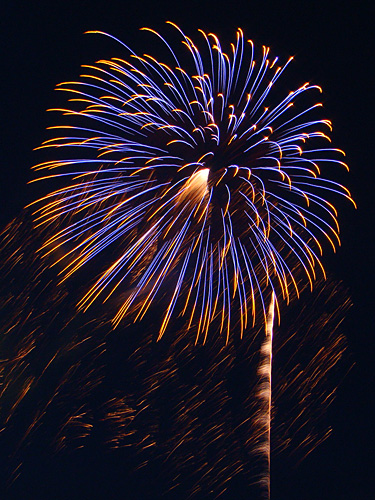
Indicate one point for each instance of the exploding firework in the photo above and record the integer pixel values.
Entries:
(195, 179)
(191, 188)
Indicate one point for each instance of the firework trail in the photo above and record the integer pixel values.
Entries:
(265, 398)
(195, 180)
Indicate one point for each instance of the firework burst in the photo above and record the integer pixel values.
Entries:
(101, 414)
(204, 187)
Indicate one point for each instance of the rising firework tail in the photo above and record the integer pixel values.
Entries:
(203, 184)
(264, 395)
(91, 411)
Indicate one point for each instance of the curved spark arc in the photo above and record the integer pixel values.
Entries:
(190, 179)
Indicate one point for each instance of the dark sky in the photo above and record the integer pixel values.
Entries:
(43, 44)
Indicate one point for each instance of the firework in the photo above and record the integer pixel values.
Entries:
(265, 398)
(196, 178)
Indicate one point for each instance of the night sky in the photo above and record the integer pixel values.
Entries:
(43, 44)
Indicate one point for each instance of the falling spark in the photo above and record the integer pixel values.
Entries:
(72, 388)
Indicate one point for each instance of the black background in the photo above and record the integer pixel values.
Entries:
(43, 44)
